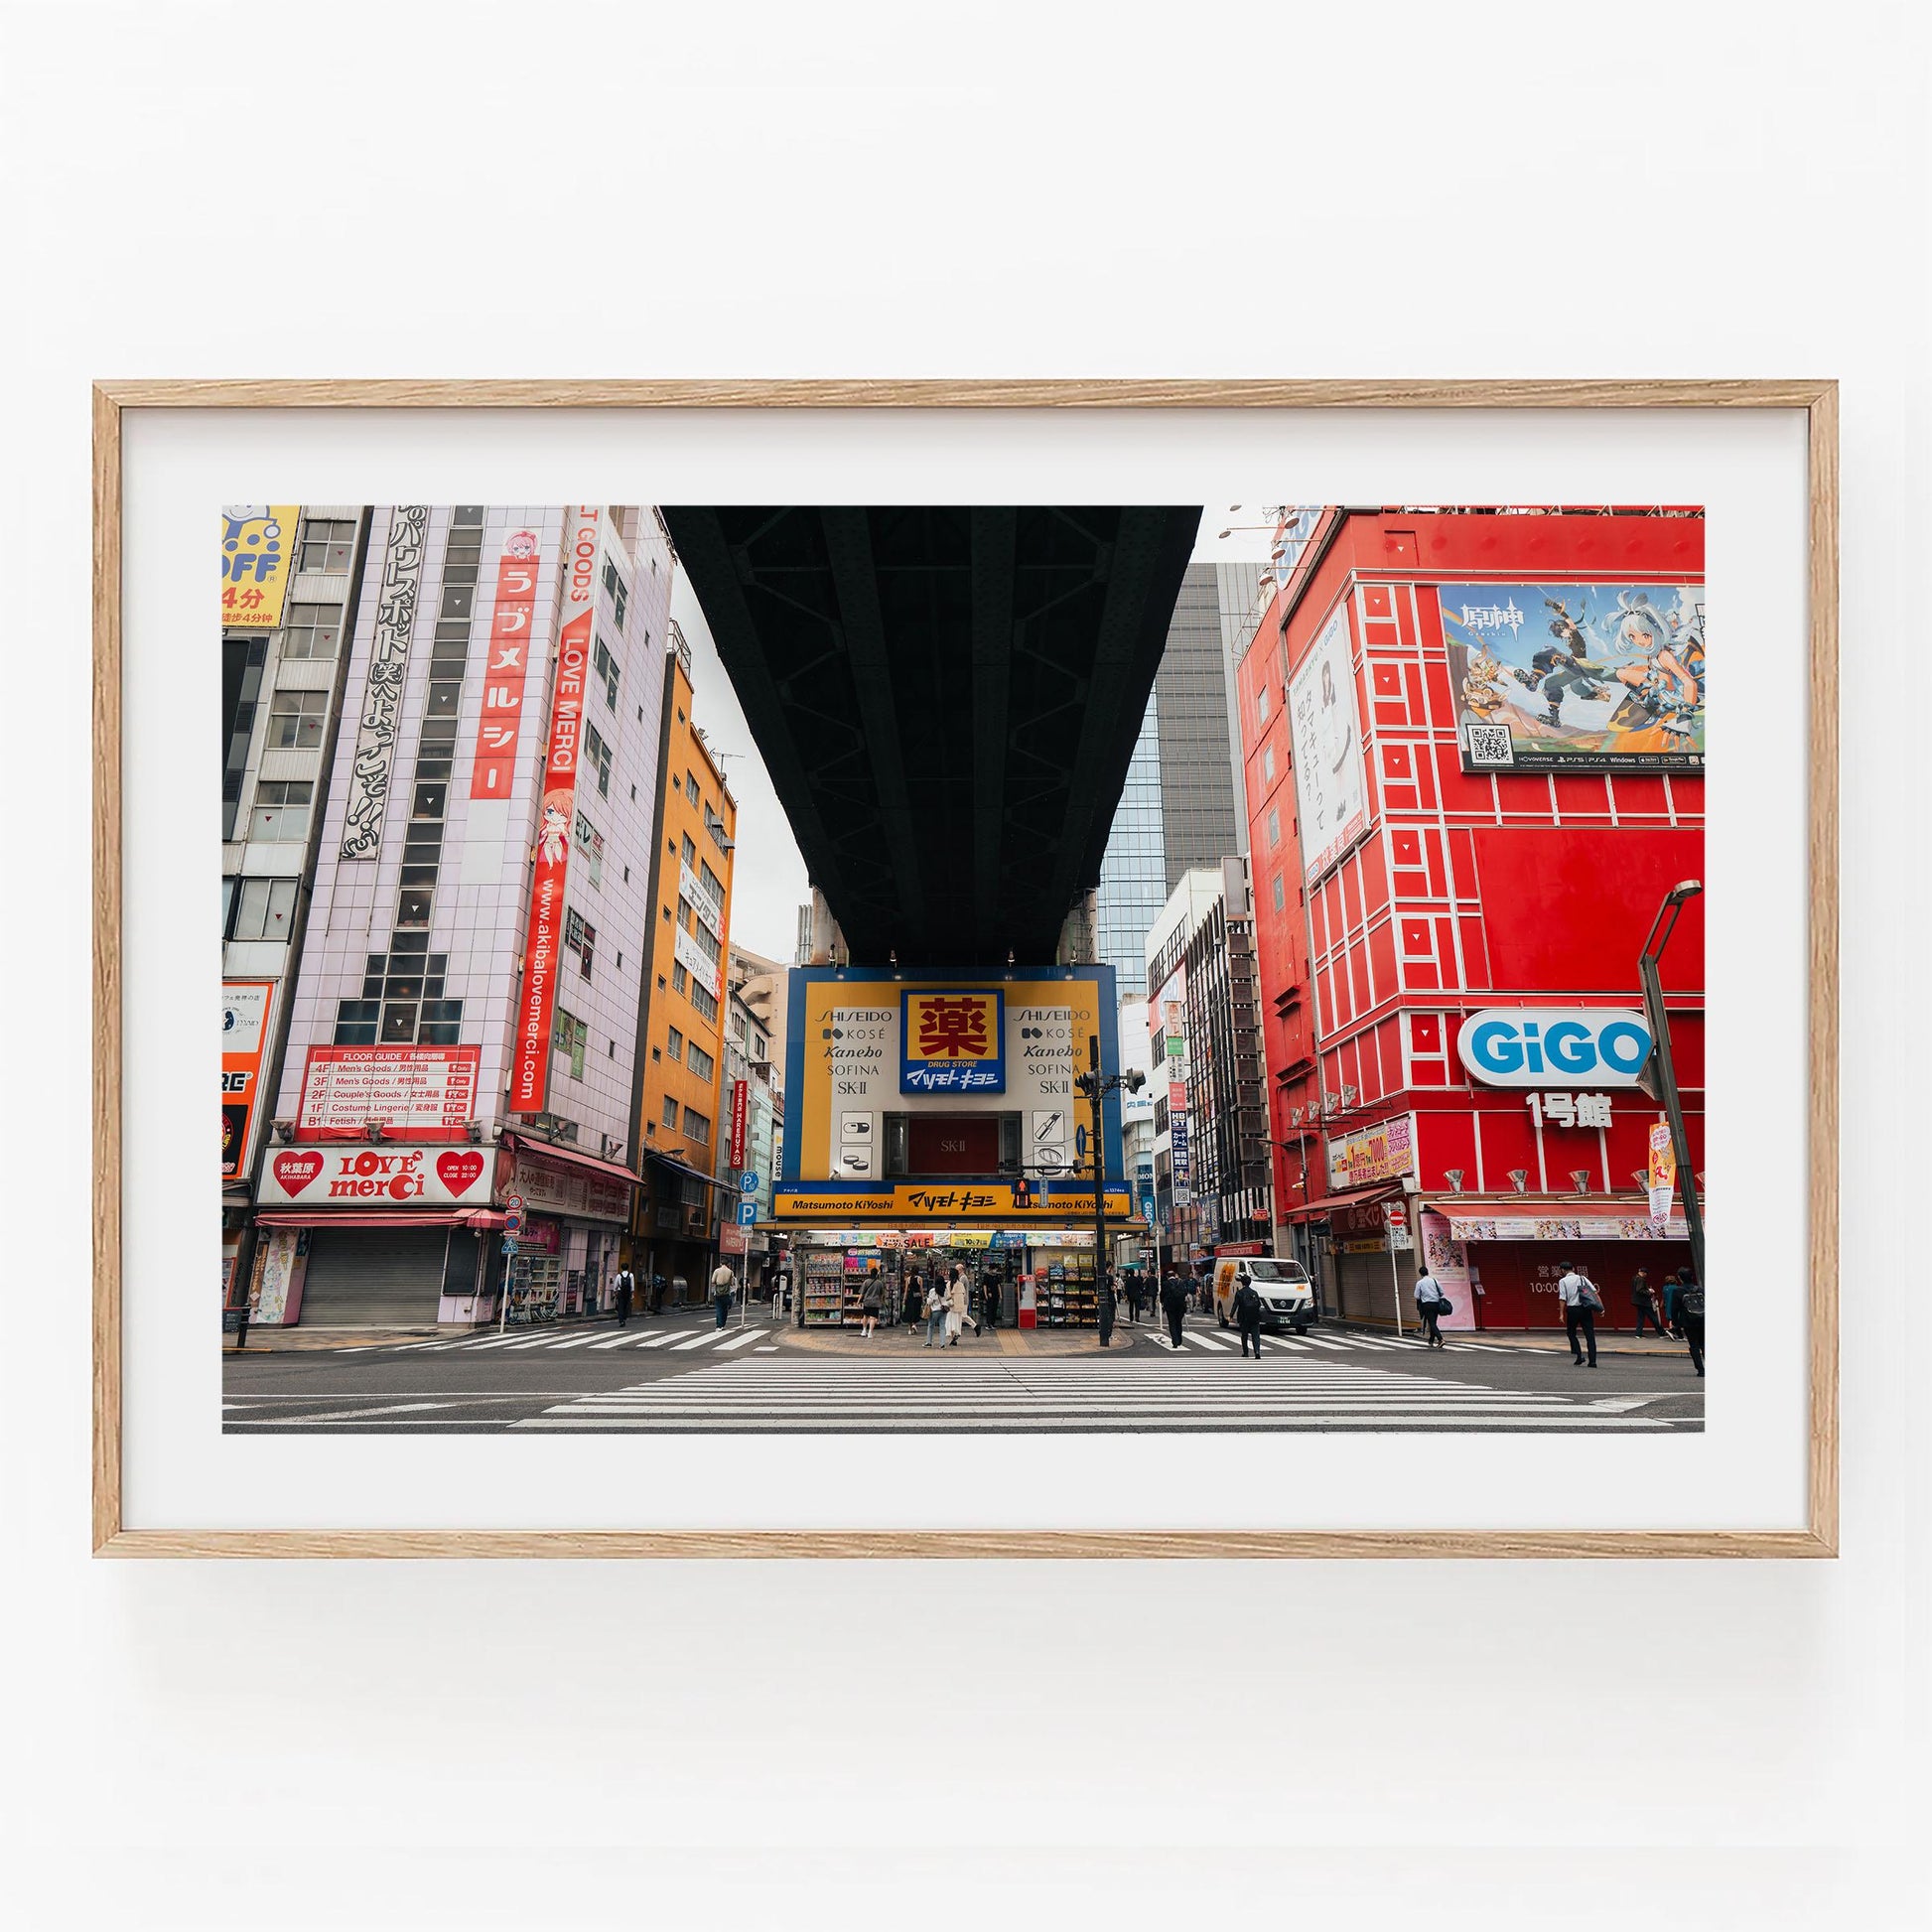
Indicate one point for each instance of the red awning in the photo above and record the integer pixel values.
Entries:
(1328, 1202)
(484, 1219)
(570, 1158)
(326, 1218)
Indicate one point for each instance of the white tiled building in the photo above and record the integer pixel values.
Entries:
(421, 918)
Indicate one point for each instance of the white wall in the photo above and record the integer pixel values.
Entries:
(1502, 188)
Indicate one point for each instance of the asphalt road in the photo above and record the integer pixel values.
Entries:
(680, 1374)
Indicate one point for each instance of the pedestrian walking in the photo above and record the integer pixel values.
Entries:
(1643, 1301)
(1173, 1301)
(657, 1296)
(989, 1317)
(627, 1289)
(869, 1303)
(724, 1285)
(1133, 1297)
(1247, 1312)
(1431, 1305)
(1685, 1311)
(1104, 1301)
(935, 1314)
(914, 1302)
(957, 1297)
(1582, 1304)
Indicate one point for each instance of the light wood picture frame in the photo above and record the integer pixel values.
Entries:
(112, 401)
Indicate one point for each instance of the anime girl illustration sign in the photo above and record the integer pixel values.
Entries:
(1585, 676)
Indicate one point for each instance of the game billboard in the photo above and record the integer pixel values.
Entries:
(1602, 677)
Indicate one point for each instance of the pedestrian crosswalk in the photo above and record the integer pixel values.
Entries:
(593, 1337)
(1320, 1341)
(1058, 1395)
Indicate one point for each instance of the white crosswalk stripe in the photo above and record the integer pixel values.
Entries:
(1186, 1391)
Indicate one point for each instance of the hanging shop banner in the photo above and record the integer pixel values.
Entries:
(562, 1189)
(245, 1031)
(695, 960)
(384, 1174)
(1329, 784)
(421, 1093)
(536, 1010)
(1592, 1227)
(1661, 1179)
(512, 645)
(380, 713)
(953, 1042)
(257, 556)
(1178, 1147)
(740, 1092)
(709, 908)
(1369, 1155)
(1595, 678)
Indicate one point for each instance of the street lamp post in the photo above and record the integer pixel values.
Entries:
(1666, 1072)
(1096, 1087)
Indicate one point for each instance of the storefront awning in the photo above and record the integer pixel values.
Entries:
(1528, 1218)
(486, 1220)
(1327, 1204)
(569, 1158)
(682, 1167)
(324, 1218)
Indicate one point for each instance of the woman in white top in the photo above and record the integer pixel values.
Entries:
(956, 1295)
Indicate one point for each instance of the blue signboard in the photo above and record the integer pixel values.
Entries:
(748, 1182)
(747, 1213)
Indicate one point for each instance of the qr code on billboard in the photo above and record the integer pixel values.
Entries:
(1490, 745)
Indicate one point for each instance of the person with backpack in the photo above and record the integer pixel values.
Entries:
(1431, 1305)
(1247, 1312)
(724, 1286)
(1173, 1304)
(1582, 1304)
(1684, 1310)
(627, 1286)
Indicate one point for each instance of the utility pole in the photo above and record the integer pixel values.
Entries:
(1099, 1168)
(1663, 1086)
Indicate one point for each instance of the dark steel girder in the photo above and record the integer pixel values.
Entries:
(946, 700)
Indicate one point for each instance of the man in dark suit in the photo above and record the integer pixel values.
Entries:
(1173, 1304)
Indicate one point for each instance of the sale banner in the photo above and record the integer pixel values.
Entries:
(500, 731)
(536, 1010)
(1662, 1177)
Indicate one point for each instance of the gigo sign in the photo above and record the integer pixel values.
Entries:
(1526, 1046)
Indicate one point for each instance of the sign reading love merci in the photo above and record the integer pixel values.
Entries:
(378, 1176)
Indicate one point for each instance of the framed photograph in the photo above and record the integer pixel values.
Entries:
(966, 969)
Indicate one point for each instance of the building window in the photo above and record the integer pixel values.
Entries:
(570, 1035)
(680, 979)
(328, 543)
(1268, 764)
(705, 1003)
(712, 883)
(691, 791)
(687, 850)
(674, 1043)
(281, 810)
(670, 1113)
(1261, 704)
(312, 631)
(606, 669)
(356, 1021)
(263, 909)
(1281, 893)
(1274, 828)
(590, 842)
(441, 1022)
(580, 936)
(296, 719)
(599, 755)
(696, 1126)
(619, 597)
(699, 1062)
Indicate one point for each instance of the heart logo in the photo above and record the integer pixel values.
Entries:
(295, 1171)
(459, 1170)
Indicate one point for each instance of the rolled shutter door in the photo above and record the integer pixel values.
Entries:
(365, 1278)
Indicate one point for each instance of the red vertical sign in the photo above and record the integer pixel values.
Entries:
(509, 667)
(536, 1011)
(739, 1103)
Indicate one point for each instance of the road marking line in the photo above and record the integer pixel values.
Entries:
(658, 1341)
(357, 1415)
(579, 1342)
(769, 1348)
(701, 1339)
(738, 1341)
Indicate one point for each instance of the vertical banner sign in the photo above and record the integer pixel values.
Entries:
(1662, 1177)
(244, 1025)
(739, 1104)
(536, 1011)
(382, 712)
(509, 667)
(258, 554)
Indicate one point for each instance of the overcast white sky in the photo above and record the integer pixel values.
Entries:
(769, 884)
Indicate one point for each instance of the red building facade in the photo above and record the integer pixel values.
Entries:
(1398, 893)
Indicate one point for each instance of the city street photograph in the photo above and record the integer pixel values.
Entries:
(962, 970)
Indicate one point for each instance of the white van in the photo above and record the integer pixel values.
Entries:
(1287, 1293)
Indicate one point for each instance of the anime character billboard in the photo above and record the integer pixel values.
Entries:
(1330, 789)
(1584, 676)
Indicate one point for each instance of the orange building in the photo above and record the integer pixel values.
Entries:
(682, 1116)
